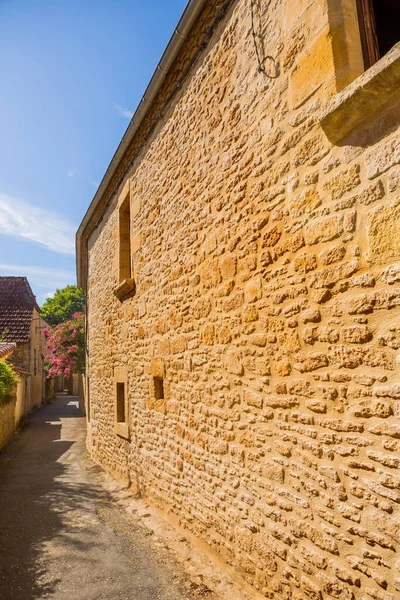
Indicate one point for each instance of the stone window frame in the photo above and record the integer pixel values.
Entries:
(121, 427)
(157, 371)
(88, 405)
(362, 92)
(126, 281)
(369, 39)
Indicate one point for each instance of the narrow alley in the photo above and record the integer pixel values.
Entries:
(61, 537)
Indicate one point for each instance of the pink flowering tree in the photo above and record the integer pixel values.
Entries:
(66, 347)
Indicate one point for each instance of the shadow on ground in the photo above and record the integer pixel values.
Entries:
(35, 494)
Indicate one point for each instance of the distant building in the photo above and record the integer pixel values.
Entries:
(20, 323)
(241, 259)
(15, 406)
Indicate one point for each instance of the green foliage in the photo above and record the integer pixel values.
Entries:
(63, 305)
(7, 381)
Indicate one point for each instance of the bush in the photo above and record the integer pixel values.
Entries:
(66, 345)
(7, 382)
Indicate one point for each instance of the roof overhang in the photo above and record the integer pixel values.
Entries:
(6, 349)
(22, 371)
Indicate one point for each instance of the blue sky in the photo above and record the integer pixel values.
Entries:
(72, 73)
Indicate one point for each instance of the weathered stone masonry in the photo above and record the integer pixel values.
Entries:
(267, 269)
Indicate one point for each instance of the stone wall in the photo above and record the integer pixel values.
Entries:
(21, 399)
(13, 413)
(266, 262)
(21, 355)
(7, 422)
(29, 357)
(36, 351)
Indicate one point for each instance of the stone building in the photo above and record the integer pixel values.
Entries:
(7, 409)
(20, 323)
(15, 408)
(242, 265)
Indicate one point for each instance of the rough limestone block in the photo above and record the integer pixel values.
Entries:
(324, 230)
(314, 68)
(304, 202)
(383, 228)
(158, 367)
(343, 182)
(234, 364)
(386, 155)
(228, 266)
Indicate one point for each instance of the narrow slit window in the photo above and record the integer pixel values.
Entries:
(379, 27)
(125, 271)
(88, 398)
(158, 388)
(120, 402)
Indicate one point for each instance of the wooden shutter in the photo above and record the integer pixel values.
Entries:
(369, 38)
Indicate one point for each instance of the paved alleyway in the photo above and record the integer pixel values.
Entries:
(60, 535)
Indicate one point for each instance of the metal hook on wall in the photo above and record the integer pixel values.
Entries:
(262, 58)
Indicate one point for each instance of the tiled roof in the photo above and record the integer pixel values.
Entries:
(6, 349)
(21, 371)
(16, 309)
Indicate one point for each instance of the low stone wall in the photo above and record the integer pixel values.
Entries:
(7, 422)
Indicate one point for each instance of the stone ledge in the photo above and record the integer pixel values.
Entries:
(362, 98)
(125, 287)
(122, 429)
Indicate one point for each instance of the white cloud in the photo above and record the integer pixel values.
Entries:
(45, 280)
(124, 112)
(94, 183)
(71, 173)
(21, 220)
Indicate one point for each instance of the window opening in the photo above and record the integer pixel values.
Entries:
(158, 388)
(379, 27)
(120, 402)
(88, 397)
(387, 19)
(125, 240)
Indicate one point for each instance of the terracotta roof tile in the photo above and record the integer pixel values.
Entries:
(6, 349)
(16, 308)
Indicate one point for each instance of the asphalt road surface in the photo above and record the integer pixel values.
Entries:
(61, 536)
